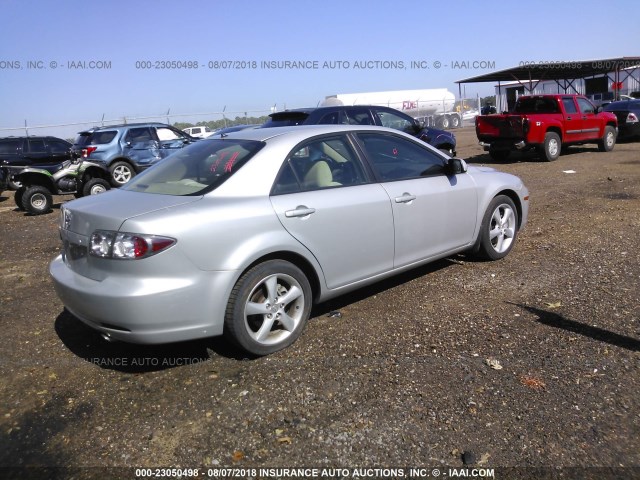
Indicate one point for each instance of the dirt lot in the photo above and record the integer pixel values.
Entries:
(401, 379)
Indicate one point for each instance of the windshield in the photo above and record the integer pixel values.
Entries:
(197, 169)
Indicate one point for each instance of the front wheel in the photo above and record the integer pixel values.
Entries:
(268, 307)
(499, 229)
(552, 146)
(95, 186)
(608, 139)
(37, 200)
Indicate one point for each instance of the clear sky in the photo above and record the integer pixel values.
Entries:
(379, 40)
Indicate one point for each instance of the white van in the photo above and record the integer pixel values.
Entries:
(198, 132)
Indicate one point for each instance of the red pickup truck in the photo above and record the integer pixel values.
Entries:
(547, 123)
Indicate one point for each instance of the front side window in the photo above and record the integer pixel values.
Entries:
(320, 163)
(396, 158)
(197, 169)
(395, 121)
(138, 135)
(585, 106)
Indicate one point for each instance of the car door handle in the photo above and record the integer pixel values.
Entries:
(300, 211)
(568, 118)
(405, 198)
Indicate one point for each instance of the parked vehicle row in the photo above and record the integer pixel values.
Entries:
(240, 234)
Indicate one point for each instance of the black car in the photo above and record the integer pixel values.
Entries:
(28, 151)
(628, 114)
(365, 115)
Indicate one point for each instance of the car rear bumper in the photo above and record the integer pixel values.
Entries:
(144, 310)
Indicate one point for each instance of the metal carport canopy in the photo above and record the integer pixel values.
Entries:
(567, 71)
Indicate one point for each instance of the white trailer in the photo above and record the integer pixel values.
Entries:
(434, 106)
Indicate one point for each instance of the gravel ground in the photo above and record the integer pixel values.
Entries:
(529, 362)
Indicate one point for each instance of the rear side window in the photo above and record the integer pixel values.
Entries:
(10, 146)
(138, 135)
(95, 138)
(359, 116)
(197, 169)
(569, 105)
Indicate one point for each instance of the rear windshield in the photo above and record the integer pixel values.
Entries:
(196, 169)
(285, 119)
(537, 105)
(95, 138)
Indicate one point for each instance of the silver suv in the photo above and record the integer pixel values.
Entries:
(129, 149)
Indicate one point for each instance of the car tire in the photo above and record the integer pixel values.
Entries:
(18, 198)
(268, 307)
(455, 121)
(608, 139)
(551, 147)
(95, 186)
(37, 200)
(121, 173)
(444, 123)
(499, 155)
(498, 230)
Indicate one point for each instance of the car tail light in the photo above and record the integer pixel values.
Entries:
(127, 246)
(632, 118)
(88, 151)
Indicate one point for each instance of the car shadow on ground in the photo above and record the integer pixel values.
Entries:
(335, 304)
(558, 321)
(89, 345)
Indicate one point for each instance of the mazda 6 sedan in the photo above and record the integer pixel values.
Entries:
(240, 235)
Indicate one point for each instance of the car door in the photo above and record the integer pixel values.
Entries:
(433, 213)
(141, 146)
(170, 140)
(324, 199)
(59, 150)
(591, 124)
(35, 152)
(572, 120)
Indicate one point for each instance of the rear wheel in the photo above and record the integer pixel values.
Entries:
(455, 121)
(95, 186)
(121, 173)
(499, 229)
(608, 139)
(268, 307)
(444, 122)
(37, 200)
(551, 147)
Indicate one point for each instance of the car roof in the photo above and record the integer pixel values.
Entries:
(123, 125)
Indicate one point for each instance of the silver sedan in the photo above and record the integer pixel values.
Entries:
(240, 234)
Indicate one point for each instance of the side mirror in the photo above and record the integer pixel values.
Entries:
(598, 110)
(456, 166)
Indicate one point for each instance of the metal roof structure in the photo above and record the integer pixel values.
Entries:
(530, 74)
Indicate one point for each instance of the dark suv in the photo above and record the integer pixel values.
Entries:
(30, 151)
(128, 149)
(365, 115)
